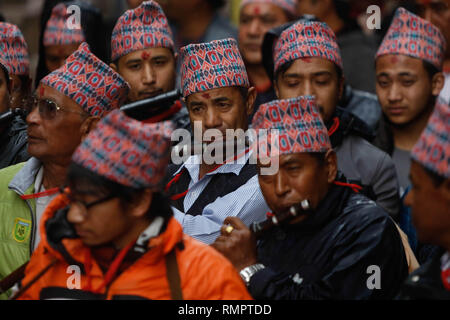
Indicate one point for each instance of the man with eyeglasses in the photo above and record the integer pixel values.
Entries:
(67, 106)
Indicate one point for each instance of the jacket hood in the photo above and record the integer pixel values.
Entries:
(60, 239)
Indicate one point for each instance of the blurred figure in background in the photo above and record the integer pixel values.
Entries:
(438, 13)
(14, 46)
(256, 18)
(13, 135)
(57, 41)
(430, 199)
(357, 48)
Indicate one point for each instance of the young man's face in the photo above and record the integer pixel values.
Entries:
(318, 8)
(403, 87)
(102, 223)
(312, 76)
(4, 92)
(150, 72)
(221, 108)
(430, 206)
(255, 20)
(300, 177)
(56, 55)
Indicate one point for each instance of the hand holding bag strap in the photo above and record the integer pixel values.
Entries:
(173, 276)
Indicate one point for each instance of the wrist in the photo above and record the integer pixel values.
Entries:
(248, 272)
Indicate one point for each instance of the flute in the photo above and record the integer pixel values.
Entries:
(260, 228)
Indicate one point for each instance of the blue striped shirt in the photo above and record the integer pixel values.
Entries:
(246, 202)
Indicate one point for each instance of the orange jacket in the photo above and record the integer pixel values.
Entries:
(204, 273)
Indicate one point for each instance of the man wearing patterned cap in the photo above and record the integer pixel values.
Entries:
(13, 135)
(307, 61)
(143, 53)
(133, 248)
(59, 40)
(409, 78)
(429, 199)
(255, 19)
(325, 252)
(14, 46)
(68, 104)
(218, 98)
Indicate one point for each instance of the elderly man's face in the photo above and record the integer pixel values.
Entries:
(4, 92)
(254, 21)
(429, 203)
(221, 108)
(312, 76)
(301, 176)
(55, 138)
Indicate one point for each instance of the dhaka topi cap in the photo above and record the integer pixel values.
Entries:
(127, 151)
(143, 27)
(90, 82)
(307, 39)
(59, 31)
(432, 150)
(211, 65)
(289, 6)
(14, 49)
(413, 36)
(291, 126)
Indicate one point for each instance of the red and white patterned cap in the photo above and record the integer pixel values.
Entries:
(413, 36)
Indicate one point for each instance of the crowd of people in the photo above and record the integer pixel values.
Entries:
(337, 186)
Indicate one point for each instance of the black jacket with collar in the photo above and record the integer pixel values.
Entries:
(335, 253)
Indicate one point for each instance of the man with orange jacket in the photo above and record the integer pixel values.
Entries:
(112, 235)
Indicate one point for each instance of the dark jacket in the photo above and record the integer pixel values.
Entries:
(330, 254)
(425, 282)
(13, 144)
(362, 104)
(364, 164)
(383, 137)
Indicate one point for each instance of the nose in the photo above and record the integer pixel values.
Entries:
(75, 214)
(148, 76)
(281, 185)
(212, 119)
(409, 198)
(254, 28)
(394, 93)
(33, 116)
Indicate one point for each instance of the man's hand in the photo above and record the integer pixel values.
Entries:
(237, 243)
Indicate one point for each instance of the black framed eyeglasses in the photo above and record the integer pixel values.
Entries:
(83, 204)
(48, 109)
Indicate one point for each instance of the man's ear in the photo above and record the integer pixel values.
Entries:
(251, 97)
(113, 66)
(437, 83)
(140, 206)
(331, 165)
(88, 125)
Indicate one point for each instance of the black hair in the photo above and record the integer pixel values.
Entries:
(93, 29)
(85, 181)
(319, 156)
(2, 18)
(430, 68)
(216, 4)
(282, 69)
(435, 178)
(5, 71)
